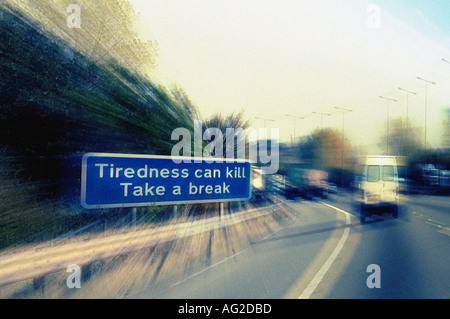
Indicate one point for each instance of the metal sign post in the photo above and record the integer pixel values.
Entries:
(133, 216)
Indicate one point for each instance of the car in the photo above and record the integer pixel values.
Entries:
(332, 188)
(379, 186)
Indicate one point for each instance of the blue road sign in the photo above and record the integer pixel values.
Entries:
(130, 180)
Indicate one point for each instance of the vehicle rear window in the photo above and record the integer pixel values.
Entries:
(373, 173)
(388, 173)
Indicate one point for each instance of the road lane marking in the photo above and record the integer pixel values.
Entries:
(276, 231)
(326, 266)
(338, 209)
(220, 262)
(209, 267)
(445, 231)
(230, 257)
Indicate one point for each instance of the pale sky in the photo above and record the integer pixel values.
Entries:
(271, 58)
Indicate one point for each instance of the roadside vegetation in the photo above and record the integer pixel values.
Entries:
(64, 94)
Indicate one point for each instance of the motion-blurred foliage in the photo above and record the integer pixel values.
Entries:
(109, 30)
(59, 99)
(326, 149)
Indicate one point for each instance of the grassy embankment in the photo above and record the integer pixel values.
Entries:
(56, 104)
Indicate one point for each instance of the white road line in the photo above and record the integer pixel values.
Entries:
(319, 276)
(209, 267)
(338, 209)
(276, 231)
(226, 259)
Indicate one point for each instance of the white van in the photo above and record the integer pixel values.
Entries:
(379, 186)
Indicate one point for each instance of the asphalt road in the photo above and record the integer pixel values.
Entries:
(324, 252)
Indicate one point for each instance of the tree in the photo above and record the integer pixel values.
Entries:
(402, 138)
(446, 131)
(234, 121)
(326, 148)
(109, 30)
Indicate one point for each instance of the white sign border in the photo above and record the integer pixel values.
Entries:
(149, 204)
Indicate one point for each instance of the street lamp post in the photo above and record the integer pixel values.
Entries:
(295, 119)
(321, 117)
(407, 101)
(426, 104)
(343, 130)
(387, 127)
(265, 120)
